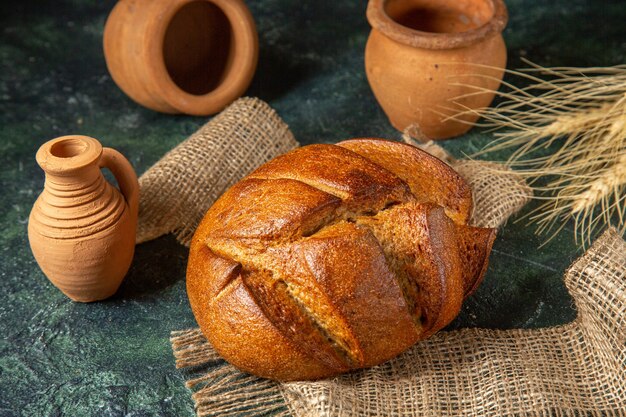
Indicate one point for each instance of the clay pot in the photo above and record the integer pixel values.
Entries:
(419, 49)
(81, 228)
(181, 56)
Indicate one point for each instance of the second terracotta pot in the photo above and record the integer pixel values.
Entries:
(427, 60)
(181, 56)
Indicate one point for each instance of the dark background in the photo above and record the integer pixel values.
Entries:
(113, 358)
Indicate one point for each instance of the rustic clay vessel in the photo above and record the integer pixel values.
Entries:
(181, 56)
(419, 49)
(81, 228)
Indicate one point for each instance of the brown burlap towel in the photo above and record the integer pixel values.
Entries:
(177, 191)
(567, 370)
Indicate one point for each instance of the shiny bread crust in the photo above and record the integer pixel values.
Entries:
(334, 257)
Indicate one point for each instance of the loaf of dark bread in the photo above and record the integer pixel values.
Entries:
(334, 257)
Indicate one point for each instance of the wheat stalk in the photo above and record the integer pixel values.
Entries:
(569, 132)
(589, 199)
(601, 187)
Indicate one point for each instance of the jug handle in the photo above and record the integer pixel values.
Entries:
(125, 175)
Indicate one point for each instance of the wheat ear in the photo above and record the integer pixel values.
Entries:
(569, 135)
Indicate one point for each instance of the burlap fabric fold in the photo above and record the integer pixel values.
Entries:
(177, 191)
(469, 372)
(571, 370)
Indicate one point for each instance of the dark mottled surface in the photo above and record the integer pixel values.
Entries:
(113, 358)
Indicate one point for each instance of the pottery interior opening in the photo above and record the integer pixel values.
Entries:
(440, 16)
(68, 148)
(197, 47)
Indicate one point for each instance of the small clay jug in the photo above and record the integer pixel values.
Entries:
(81, 228)
(427, 60)
(181, 56)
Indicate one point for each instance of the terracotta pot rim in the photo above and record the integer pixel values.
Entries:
(239, 74)
(54, 164)
(380, 20)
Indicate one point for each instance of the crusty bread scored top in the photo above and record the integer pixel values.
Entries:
(334, 257)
